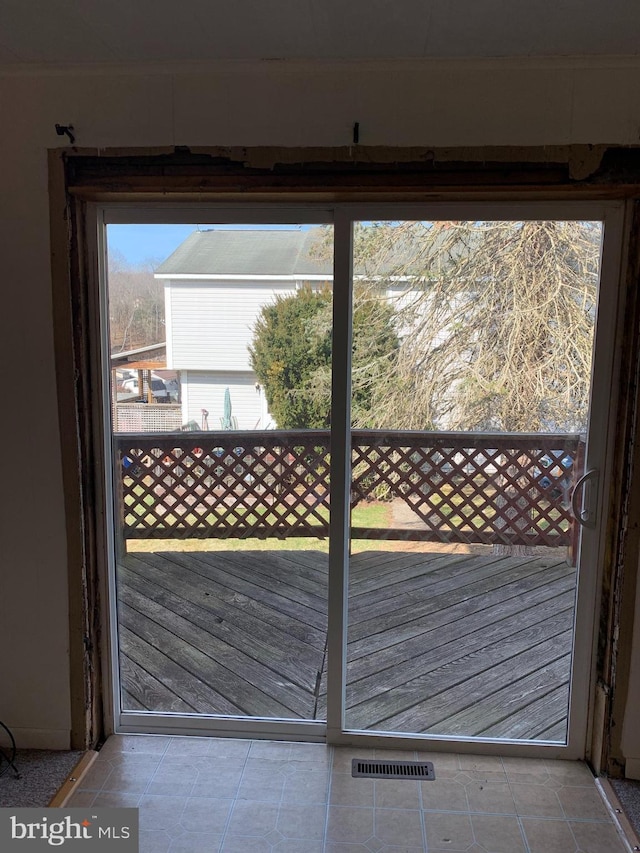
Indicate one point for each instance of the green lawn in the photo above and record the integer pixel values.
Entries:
(371, 514)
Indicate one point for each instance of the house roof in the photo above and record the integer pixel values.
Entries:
(250, 252)
(129, 355)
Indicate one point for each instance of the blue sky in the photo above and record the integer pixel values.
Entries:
(141, 244)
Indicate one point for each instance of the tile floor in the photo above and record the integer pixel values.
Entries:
(200, 795)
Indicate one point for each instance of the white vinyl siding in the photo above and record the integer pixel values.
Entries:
(212, 322)
(205, 390)
(168, 325)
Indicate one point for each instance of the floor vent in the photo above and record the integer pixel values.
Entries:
(393, 769)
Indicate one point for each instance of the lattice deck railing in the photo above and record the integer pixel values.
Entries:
(492, 488)
(147, 417)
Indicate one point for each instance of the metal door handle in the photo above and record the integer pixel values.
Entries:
(583, 516)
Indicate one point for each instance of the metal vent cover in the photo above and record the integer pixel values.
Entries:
(393, 769)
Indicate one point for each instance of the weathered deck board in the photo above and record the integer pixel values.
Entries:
(458, 660)
(454, 626)
(369, 586)
(249, 599)
(527, 722)
(444, 643)
(233, 626)
(557, 731)
(232, 570)
(143, 692)
(390, 608)
(378, 635)
(237, 693)
(271, 575)
(131, 702)
(477, 588)
(279, 565)
(238, 676)
(473, 704)
(179, 680)
(505, 701)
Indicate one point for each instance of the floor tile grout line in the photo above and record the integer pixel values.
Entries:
(289, 759)
(122, 753)
(525, 840)
(575, 840)
(518, 815)
(223, 836)
(375, 757)
(510, 783)
(332, 757)
(187, 797)
(171, 739)
(162, 757)
(423, 820)
(527, 816)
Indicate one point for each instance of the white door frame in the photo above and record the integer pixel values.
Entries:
(598, 455)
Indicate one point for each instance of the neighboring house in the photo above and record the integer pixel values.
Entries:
(216, 283)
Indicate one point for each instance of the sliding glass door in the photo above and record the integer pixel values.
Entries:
(358, 471)
(469, 437)
(220, 363)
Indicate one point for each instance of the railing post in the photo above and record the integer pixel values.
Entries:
(119, 533)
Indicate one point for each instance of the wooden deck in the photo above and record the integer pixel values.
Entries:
(450, 644)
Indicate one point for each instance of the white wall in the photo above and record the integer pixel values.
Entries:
(212, 322)
(205, 390)
(243, 104)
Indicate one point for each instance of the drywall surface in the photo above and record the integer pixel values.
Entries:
(297, 104)
(33, 594)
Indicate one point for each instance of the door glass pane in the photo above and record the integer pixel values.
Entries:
(220, 382)
(471, 382)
